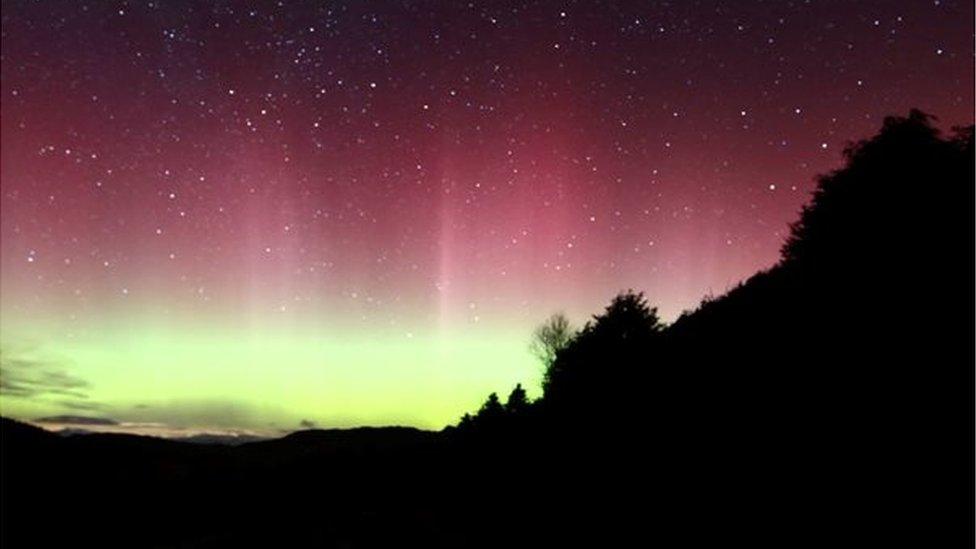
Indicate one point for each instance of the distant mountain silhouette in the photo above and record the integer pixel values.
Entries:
(16, 432)
(220, 439)
(135, 491)
(818, 403)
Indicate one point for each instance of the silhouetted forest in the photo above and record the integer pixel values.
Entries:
(824, 401)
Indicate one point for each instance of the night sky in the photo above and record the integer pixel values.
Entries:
(251, 214)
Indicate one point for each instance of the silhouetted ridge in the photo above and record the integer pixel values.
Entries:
(13, 432)
(220, 439)
(351, 433)
(828, 381)
(359, 438)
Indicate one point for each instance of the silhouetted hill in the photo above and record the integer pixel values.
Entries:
(822, 395)
(317, 444)
(206, 493)
(219, 439)
(354, 435)
(17, 432)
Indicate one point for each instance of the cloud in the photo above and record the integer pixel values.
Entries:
(77, 420)
(47, 382)
(85, 405)
(216, 413)
(76, 425)
(24, 377)
(207, 416)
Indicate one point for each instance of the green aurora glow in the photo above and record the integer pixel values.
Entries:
(263, 380)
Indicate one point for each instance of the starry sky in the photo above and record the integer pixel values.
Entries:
(267, 215)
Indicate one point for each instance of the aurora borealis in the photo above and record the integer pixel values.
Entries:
(247, 215)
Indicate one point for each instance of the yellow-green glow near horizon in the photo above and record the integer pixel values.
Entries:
(200, 379)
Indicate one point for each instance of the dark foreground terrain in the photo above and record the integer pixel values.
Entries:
(826, 401)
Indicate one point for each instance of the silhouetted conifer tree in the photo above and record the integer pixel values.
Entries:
(492, 409)
(517, 402)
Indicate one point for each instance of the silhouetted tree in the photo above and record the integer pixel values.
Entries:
(609, 350)
(627, 317)
(873, 208)
(549, 338)
(517, 401)
(491, 410)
